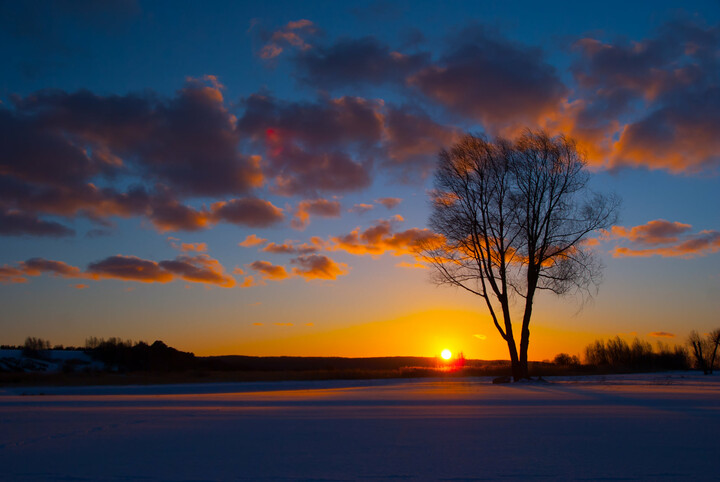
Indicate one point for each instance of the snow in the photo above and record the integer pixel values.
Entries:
(50, 361)
(634, 427)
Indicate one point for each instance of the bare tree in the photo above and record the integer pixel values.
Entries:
(515, 216)
(705, 350)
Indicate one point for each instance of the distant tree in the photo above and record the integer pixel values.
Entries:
(565, 360)
(704, 350)
(34, 347)
(515, 217)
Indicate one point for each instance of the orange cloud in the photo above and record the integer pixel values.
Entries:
(389, 202)
(658, 231)
(80, 286)
(317, 266)
(248, 282)
(269, 270)
(252, 240)
(661, 334)
(678, 244)
(380, 238)
(404, 264)
(291, 34)
(188, 247)
(289, 247)
(10, 275)
(361, 208)
(704, 243)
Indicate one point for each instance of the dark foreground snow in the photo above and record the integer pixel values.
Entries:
(653, 427)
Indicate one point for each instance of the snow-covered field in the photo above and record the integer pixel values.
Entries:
(652, 427)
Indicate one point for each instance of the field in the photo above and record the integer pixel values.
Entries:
(653, 427)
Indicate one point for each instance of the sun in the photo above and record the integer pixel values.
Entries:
(446, 354)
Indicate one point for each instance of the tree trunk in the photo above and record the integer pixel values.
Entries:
(515, 364)
(525, 332)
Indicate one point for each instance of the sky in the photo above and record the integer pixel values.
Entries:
(253, 177)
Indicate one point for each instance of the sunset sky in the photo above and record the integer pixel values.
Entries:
(252, 177)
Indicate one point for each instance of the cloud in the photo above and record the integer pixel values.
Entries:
(413, 141)
(361, 208)
(668, 240)
(188, 247)
(310, 147)
(700, 244)
(651, 102)
(269, 270)
(291, 35)
(248, 282)
(661, 334)
(130, 268)
(252, 240)
(658, 231)
(290, 247)
(10, 275)
(199, 269)
(356, 62)
(382, 238)
(60, 147)
(317, 266)
(38, 266)
(13, 223)
(188, 141)
(389, 202)
(492, 80)
(317, 207)
(480, 336)
(405, 264)
(251, 211)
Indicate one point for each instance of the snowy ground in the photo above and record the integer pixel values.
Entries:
(653, 427)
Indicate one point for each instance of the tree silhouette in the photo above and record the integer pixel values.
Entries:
(515, 217)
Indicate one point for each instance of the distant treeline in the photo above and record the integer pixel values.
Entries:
(639, 355)
(613, 355)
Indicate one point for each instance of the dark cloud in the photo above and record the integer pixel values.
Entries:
(187, 141)
(18, 224)
(37, 266)
(414, 139)
(317, 207)
(492, 80)
(251, 211)
(308, 146)
(652, 102)
(356, 62)
(197, 269)
(130, 268)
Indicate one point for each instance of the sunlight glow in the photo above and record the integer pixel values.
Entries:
(446, 354)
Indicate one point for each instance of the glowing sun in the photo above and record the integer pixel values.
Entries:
(446, 354)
